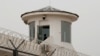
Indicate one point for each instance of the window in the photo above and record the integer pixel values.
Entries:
(65, 31)
(43, 33)
(32, 30)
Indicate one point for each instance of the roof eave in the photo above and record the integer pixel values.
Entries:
(50, 11)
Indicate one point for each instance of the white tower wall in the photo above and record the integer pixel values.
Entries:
(54, 21)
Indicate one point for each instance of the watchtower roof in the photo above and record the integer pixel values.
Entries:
(49, 9)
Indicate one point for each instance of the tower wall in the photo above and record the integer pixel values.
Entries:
(54, 21)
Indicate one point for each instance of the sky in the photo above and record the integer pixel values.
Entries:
(85, 31)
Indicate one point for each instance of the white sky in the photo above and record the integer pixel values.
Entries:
(85, 31)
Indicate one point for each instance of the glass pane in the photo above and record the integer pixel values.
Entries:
(65, 31)
(32, 30)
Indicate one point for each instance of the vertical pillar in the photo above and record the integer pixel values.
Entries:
(36, 30)
(15, 52)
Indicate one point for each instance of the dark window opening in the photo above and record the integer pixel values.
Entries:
(43, 33)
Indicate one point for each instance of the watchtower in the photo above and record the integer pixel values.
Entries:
(50, 23)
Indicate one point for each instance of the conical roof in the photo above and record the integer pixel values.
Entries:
(49, 9)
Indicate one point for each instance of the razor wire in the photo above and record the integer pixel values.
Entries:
(13, 33)
(30, 47)
(6, 36)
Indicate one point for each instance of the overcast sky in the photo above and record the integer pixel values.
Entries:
(85, 31)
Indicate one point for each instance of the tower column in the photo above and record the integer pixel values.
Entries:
(36, 30)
